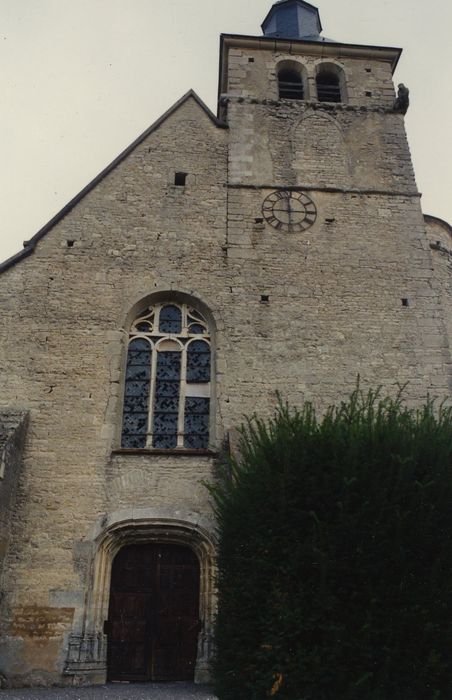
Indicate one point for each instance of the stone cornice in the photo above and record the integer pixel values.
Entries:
(322, 49)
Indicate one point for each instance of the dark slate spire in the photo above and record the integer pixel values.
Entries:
(293, 19)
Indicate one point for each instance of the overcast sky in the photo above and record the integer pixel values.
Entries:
(81, 79)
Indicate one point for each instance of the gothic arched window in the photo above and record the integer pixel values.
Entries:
(167, 383)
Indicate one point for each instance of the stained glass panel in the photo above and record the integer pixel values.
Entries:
(163, 404)
(196, 422)
(170, 320)
(136, 403)
(145, 322)
(198, 362)
(170, 389)
(164, 442)
(139, 372)
(163, 371)
(136, 389)
(166, 405)
(136, 394)
(144, 327)
(196, 328)
(138, 352)
(135, 423)
(195, 314)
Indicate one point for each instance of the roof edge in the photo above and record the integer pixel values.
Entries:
(326, 45)
(435, 219)
(303, 2)
(30, 245)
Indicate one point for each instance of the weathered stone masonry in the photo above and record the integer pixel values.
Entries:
(363, 291)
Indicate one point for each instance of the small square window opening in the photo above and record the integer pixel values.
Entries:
(180, 179)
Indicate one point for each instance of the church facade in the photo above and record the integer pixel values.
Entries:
(276, 248)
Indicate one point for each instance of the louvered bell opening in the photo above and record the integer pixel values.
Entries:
(328, 89)
(290, 85)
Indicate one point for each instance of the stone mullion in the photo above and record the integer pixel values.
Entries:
(182, 393)
(150, 430)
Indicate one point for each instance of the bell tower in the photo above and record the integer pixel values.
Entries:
(306, 110)
(323, 207)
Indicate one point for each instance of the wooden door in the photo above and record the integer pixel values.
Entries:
(153, 619)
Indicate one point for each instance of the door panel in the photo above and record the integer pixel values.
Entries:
(154, 613)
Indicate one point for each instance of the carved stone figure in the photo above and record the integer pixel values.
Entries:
(403, 99)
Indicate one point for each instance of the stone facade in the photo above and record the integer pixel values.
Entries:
(364, 291)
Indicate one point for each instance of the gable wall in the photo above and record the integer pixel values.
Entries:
(62, 348)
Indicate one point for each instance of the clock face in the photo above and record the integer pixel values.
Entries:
(288, 210)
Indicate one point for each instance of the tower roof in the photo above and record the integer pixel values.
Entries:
(293, 19)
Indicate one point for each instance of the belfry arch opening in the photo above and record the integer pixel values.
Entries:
(330, 83)
(290, 81)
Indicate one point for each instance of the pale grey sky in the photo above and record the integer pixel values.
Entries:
(81, 79)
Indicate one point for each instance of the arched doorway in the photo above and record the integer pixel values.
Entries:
(87, 644)
(153, 618)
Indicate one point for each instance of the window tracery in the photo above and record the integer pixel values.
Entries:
(167, 381)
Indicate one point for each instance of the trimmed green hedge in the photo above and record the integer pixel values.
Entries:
(335, 555)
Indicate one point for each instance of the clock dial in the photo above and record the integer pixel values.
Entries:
(289, 210)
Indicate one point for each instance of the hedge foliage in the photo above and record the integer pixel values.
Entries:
(335, 555)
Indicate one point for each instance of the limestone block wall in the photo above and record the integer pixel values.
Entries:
(305, 145)
(252, 72)
(439, 236)
(65, 311)
(351, 295)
